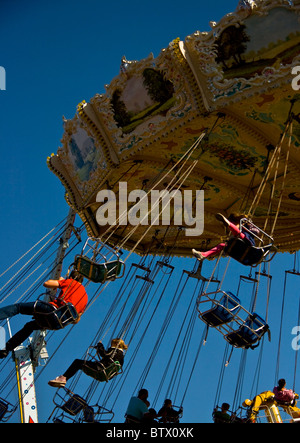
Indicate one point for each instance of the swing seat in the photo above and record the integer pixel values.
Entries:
(247, 254)
(6, 410)
(97, 414)
(89, 415)
(106, 373)
(249, 333)
(3, 408)
(99, 272)
(59, 318)
(223, 312)
(74, 405)
(75, 409)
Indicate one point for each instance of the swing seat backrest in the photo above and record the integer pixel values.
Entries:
(89, 414)
(99, 272)
(245, 253)
(74, 405)
(249, 333)
(57, 319)
(223, 312)
(3, 408)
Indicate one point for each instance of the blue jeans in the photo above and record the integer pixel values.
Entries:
(25, 309)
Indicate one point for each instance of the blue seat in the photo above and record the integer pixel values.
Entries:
(249, 333)
(223, 312)
(74, 405)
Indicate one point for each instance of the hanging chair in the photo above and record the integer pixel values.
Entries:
(223, 311)
(219, 417)
(104, 374)
(6, 410)
(59, 318)
(249, 334)
(75, 409)
(172, 416)
(99, 272)
(246, 253)
(96, 414)
(74, 404)
(101, 373)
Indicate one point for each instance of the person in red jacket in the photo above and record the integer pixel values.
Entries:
(71, 292)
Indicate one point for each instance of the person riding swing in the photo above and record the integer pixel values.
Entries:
(109, 364)
(55, 314)
(242, 245)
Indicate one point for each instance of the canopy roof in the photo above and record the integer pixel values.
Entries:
(235, 83)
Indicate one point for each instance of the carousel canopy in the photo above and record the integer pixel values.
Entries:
(208, 114)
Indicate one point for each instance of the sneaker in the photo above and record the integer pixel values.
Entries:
(222, 219)
(3, 353)
(58, 382)
(198, 255)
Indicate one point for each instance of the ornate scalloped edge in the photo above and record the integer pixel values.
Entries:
(168, 62)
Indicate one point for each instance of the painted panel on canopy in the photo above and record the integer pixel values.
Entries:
(259, 43)
(81, 155)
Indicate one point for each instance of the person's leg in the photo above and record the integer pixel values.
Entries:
(211, 253)
(76, 366)
(258, 401)
(61, 380)
(18, 308)
(25, 309)
(21, 335)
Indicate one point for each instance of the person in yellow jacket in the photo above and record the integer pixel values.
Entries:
(262, 399)
(268, 398)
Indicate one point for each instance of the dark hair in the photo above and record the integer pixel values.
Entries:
(76, 276)
(281, 383)
(236, 218)
(226, 406)
(143, 392)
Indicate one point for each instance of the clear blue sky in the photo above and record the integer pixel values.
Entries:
(56, 54)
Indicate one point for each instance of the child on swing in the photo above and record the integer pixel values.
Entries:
(107, 357)
(233, 223)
